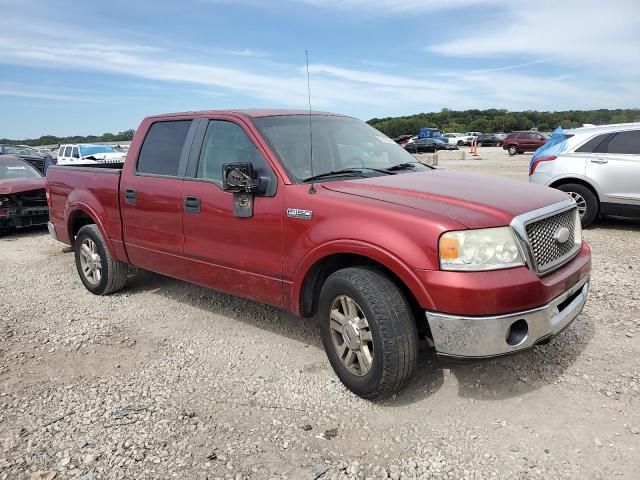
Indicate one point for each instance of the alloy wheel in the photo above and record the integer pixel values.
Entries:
(90, 261)
(581, 203)
(351, 335)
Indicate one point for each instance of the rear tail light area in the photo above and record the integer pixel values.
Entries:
(534, 164)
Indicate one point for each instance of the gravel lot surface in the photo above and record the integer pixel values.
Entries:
(169, 380)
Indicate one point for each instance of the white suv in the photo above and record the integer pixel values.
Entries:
(599, 167)
(88, 154)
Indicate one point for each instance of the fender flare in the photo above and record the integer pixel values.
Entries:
(364, 249)
(79, 206)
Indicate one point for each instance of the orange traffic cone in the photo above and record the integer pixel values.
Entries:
(474, 148)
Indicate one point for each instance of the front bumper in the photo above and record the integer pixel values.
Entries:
(462, 337)
(52, 230)
(23, 217)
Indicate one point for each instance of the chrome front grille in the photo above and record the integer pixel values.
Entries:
(547, 252)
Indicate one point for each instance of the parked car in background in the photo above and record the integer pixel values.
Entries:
(88, 153)
(599, 168)
(489, 140)
(382, 254)
(428, 145)
(23, 201)
(26, 153)
(457, 139)
(520, 142)
(473, 135)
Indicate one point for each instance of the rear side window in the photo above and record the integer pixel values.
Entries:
(162, 147)
(75, 153)
(592, 144)
(61, 152)
(625, 143)
(67, 151)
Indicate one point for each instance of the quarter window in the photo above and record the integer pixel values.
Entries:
(226, 142)
(162, 148)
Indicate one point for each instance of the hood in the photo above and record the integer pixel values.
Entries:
(17, 185)
(476, 201)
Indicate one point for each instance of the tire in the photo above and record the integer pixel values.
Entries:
(92, 256)
(388, 333)
(587, 201)
(513, 150)
(498, 144)
(460, 143)
(479, 144)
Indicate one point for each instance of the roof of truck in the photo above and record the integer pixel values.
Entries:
(251, 112)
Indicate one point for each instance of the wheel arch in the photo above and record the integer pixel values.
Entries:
(80, 215)
(556, 183)
(321, 263)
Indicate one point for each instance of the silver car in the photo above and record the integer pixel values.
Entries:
(600, 169)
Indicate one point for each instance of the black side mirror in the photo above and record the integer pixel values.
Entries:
(239, 178)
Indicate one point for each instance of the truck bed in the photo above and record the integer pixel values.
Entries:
(93, 187)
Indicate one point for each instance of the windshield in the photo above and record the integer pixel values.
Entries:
(86, 150)
(338, 143)
(21, 150)
(12, 169)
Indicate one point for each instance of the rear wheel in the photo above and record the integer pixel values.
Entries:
(586, 201)
(368, 332)
(99, 272)
(513, 150)
(460, 143)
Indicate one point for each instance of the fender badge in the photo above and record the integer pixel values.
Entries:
(299, 214)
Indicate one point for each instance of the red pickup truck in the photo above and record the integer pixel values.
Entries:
(347, 227)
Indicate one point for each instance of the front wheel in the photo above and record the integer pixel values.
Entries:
(368, 332)
(460, 143)
(513, 150)
(586, 201)
(100, 273)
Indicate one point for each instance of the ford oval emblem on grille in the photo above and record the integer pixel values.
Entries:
(561, 235)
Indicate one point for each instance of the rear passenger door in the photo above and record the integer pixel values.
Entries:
(151, 199)
(615, 167)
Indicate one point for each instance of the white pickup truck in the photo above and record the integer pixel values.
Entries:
(88, 154)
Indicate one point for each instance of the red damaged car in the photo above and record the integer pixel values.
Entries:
(23, 201)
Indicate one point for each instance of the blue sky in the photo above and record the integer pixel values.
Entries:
(88, 67)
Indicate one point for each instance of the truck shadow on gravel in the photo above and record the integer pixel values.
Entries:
(502, 378)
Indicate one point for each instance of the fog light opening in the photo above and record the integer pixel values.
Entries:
(517, 333)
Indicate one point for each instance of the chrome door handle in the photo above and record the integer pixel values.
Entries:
(599, 160)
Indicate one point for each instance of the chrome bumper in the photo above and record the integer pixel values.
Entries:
(462, 337)
(52, 230)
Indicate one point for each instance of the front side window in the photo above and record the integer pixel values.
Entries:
(625, 143)
(75, 153)
(226, 142)
(67, 151)
(162, 147)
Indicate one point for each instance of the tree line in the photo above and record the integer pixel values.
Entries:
(124, 136)
(500, 121)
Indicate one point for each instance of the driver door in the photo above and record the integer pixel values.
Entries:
(238, 255)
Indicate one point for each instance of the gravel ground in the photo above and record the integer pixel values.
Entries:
(169, 380)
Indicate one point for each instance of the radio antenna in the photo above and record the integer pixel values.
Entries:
(312, 188)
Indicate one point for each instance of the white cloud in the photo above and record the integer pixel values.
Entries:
(574, 33)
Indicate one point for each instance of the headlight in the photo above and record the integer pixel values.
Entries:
(484, 249)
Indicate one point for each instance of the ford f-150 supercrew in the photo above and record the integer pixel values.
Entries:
(347, 227)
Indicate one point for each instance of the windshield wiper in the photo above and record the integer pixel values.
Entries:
(406, 166)
(346, 171)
